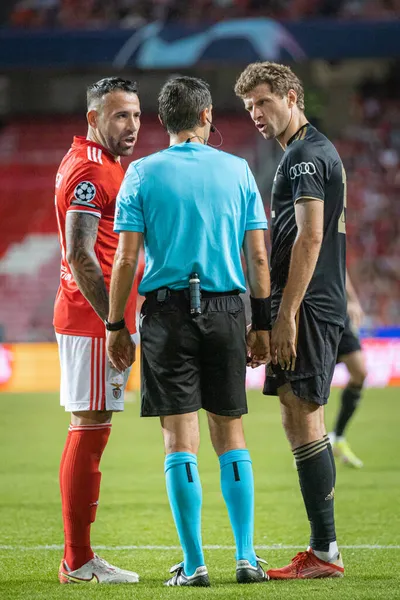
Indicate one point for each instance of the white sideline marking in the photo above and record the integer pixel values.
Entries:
(271, 547)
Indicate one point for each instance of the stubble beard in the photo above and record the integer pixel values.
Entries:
(117, 150)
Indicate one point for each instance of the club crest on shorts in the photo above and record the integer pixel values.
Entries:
(85, 191)
(117, 391)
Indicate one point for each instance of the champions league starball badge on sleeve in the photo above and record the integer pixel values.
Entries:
(85, 191)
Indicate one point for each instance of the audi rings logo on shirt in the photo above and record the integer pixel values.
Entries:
(303, 168)
(85, 191)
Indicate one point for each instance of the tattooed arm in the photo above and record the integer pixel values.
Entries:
(81, 233)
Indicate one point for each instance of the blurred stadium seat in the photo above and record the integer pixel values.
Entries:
(370, 150)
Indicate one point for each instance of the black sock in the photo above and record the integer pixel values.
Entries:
(332, 458)
(350, 399)
(316, 476)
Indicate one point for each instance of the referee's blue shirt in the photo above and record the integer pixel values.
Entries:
(193, 204)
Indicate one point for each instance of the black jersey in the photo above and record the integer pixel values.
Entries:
(311, 168)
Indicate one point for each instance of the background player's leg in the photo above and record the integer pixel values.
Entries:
(237, 482)
(80, 482)
(305, 430)
(350, 399)
(351, 394)
(181, 441)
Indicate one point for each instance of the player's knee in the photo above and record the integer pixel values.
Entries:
(302, 422)
(179, 442)
(178, 446)
(181, 433)
(91, 417)
(292, 425)
(226, 433)
(358, 377)
(225, 443)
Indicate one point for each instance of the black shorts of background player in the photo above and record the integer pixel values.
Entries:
(308, 264)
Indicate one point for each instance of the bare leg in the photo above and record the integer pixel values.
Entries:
(302, 421)
(226, 433)
(91, 417)
(355, 363)
(181, 433)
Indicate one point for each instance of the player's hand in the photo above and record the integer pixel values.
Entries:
(283, 342)
(258, 348)
(356, 313)
(121, 349)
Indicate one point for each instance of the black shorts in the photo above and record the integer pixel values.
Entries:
(317, 346)
(192, 363)
(349, 341)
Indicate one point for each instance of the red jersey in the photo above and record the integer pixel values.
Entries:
(88, 181)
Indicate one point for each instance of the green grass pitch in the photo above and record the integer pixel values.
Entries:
(134, 510)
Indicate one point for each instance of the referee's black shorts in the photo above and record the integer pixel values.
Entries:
(317, 351)
(349, 342)
(191, 363)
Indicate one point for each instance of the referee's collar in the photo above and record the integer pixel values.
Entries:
(300, 134)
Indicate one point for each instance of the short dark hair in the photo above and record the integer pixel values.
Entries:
(280, 79)
(180, 102)
(97, 90)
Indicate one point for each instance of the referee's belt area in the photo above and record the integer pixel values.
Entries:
(165, 295)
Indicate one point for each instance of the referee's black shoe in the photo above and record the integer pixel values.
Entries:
(198, 579)
(246, 573)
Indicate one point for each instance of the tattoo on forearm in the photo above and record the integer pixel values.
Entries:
(81, 234)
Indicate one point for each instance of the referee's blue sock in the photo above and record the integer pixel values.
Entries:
(185, 497)
(237, 486)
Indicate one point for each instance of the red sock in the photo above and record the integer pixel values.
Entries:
(80, 487)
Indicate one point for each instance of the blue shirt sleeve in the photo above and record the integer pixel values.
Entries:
(255, 216)
(129, 209)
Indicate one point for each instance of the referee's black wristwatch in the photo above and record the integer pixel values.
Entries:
(114, 326)
(261, 313)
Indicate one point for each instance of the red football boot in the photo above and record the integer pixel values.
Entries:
(305, 565)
